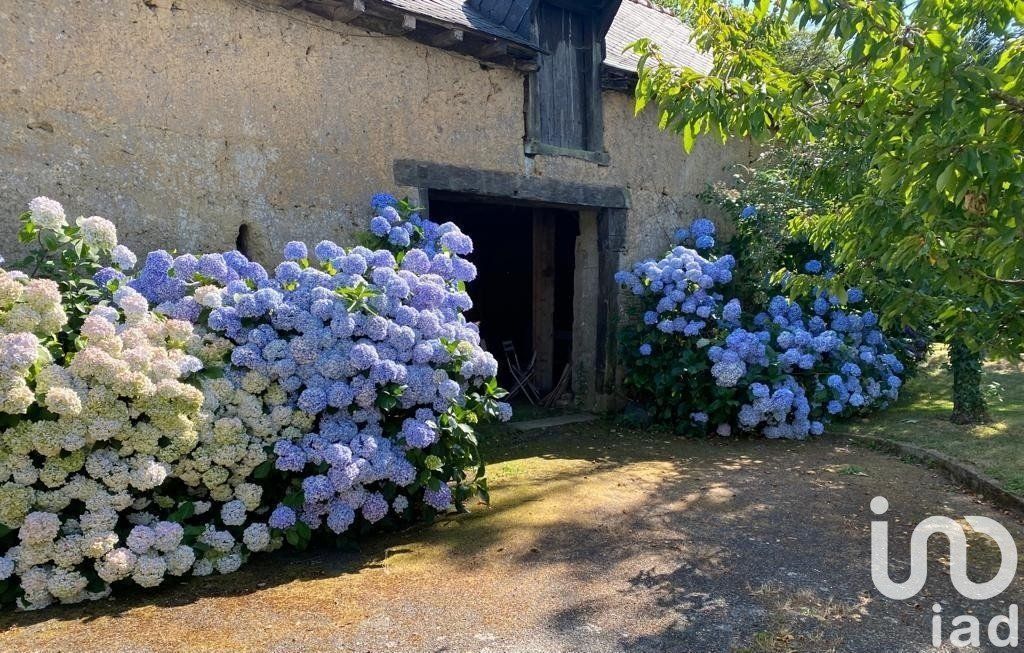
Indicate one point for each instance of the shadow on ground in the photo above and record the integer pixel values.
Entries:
(598, 539)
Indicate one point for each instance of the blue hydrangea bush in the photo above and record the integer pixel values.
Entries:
(700, 361)
(206, 408)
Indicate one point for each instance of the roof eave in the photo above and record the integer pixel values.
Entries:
(386, 18)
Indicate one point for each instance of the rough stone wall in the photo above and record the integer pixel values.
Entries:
(182, 121)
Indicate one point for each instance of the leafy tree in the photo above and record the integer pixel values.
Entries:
(929, 95)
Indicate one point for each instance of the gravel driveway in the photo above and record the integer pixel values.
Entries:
(598, 539)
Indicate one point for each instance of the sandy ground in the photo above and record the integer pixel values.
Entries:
(597, 540)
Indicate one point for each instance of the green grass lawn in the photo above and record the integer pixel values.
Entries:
(921, 417)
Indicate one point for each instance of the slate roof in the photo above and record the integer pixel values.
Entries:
(640, 18)
(512, 14)
(459, 13)
(635, 19)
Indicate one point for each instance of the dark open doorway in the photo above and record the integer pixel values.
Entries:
(523, 293)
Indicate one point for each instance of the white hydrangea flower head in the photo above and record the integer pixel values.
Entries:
(148, 473)
(131, 302)
(202, 567)
(6, 567)
(209, 296)
(117, 564)
(233, 513)
(98, 233)
(141, 539)
(167, 536)
(67, 552)
(180, 560)
(47, 213)
(149, 570)
(222, 541)
(39, 528)
(98, 543)
(123, 258)
(249, 494)
(67, 585)
(228, 564)
(256, 537)
(34, 582)
(63, 401)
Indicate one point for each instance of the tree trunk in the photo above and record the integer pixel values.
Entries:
(969, 405)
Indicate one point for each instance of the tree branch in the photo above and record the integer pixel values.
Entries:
(1015, 104)
(1010, 282)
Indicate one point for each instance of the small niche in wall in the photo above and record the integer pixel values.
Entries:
(242, 239)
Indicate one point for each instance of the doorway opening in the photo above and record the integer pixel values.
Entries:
(526, 275)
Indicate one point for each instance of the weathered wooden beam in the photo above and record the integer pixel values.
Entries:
(493, 50)
(595, 103)
(526, 65)
(508, 186)
(380, 19)
(544, 297)
(613, 79)
(611, 245)
(342, 12)
(447, 38)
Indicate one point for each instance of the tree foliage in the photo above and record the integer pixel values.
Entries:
(927, 97)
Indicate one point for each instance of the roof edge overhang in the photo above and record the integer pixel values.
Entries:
(488, 43)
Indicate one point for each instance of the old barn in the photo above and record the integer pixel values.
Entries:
(211, 124)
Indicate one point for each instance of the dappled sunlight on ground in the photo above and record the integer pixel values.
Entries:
(921, 417)
(597, 539)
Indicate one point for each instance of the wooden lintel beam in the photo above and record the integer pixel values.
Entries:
(342, 12)
(447, 38)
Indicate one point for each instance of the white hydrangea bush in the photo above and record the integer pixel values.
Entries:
(85, 443)
(175, 420)
(103, 431)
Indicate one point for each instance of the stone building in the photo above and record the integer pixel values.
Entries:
(205, 125)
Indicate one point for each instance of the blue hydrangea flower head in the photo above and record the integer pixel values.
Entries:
(457, 243)
(282, 518)
(399, 237)
(379, 226)
(326, 250)
(380, 201)
(439, 499)
(702, 227)
(732, 311)
(295, 250)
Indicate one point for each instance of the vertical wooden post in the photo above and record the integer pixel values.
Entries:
(611, 244)
(585, 299)
(544, 296)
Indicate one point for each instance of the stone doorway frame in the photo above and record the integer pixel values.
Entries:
(602, 211)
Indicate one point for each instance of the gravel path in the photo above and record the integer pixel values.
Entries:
(597, 540)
